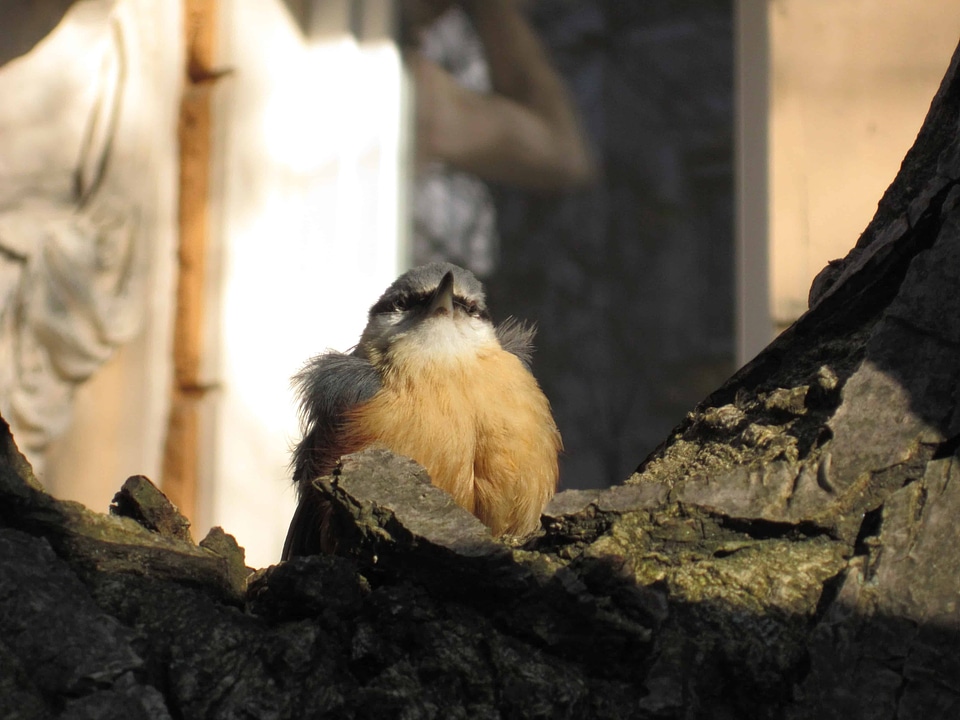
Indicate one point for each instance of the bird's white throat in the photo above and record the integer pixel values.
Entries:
(443, 337)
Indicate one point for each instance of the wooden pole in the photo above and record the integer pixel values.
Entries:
(181, 451)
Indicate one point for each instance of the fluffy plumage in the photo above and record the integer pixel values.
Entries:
(432, 379)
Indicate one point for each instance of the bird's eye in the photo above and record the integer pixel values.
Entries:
(468, 306)
(404, 303)
(391, 305)
(473, 309)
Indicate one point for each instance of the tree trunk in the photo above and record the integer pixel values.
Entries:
(791, 550)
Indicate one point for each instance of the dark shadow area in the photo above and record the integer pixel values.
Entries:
(35, 19)
(300, 12)
(319, 638)
(640, 609)
(322, 20)
(630, 283)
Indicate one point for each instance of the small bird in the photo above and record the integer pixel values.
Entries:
(434, 380)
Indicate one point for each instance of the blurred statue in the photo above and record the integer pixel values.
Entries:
(76, 200)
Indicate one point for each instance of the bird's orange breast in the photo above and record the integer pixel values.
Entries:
(481, 427)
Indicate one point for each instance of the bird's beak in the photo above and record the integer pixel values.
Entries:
(442, 302)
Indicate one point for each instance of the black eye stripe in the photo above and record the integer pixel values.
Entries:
(399, 303)
(381, 307)
(471, 308)
(402, 303)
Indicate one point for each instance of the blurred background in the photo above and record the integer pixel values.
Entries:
(198, 195)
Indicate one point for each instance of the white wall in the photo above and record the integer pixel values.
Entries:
(847, 87)
(852, 82)
(308, 228)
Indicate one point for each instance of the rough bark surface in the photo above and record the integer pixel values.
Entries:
(790, 551)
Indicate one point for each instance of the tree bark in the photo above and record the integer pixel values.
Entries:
(791, 550)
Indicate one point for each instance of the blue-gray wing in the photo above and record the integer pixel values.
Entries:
(516, 337)
(328, 386)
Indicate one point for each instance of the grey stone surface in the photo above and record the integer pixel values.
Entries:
(142, 501)
(367, 484)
